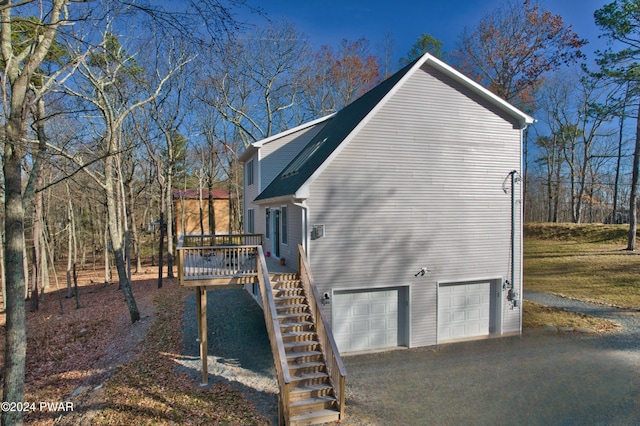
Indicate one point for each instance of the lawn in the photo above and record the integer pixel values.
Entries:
(586, 261)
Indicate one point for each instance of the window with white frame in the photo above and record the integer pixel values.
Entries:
(248, 173)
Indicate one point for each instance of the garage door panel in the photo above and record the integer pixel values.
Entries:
(359, 327)
(473, 315)
(463, 310)
(360, 310)
(365, 319)
(458, 316)
(378, 309)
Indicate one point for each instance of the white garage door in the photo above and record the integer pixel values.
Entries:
(364, 320)
(463, 310)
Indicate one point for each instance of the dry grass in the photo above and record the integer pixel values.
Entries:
(536, 315)
(587, 262)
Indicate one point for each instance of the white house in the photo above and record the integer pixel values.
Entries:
(407, 202)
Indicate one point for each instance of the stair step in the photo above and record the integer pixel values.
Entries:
(310, 376)
(293, 324)
(293, 356)
(293, 315)
(294, 334)
(315, 417)
(314, 400)
(288, 294)
(288, 297)
(292, 306)
(318, 387)
(303, 365)
(300, 344)
(282, 284)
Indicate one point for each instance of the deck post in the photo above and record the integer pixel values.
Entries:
(201, 313)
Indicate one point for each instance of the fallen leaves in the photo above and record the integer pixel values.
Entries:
(116, 372)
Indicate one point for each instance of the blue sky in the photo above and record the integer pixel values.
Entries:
(329, 21)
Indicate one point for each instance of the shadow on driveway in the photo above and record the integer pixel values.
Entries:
(540, 378)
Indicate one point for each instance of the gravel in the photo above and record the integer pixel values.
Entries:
(239, 350)
(539, 378)
(626, 339)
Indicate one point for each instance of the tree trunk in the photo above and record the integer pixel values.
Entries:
(75, 287)
(37, 261)
(160, 250)
(35, 277)
(16, 331)
(107, 273)
(614, 218)
(634, 190)
(116, 239)
(134, 228)
(169, 229)
(211, 207)
(69, 245)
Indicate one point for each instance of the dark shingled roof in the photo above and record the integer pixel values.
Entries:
(337, 128)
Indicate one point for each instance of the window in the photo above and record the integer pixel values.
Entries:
(248, 173)
(295, 166)
(250, 221)
(283, 218)
(267, 224)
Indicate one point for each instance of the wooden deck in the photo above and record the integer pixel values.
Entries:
(311, 376)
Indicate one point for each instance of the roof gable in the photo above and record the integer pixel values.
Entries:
(341, 125)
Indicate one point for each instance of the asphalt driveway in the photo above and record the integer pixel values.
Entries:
(542, 378)
(537, 379)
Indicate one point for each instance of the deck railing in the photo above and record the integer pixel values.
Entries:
(335, 366)
(275, 335)
(208, 240)
(207, 257)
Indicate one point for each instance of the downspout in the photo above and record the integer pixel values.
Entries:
(520, 246)
(513, 296)
(305, 223)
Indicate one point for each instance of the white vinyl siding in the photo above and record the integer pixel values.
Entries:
(421, 186)
(249, 194)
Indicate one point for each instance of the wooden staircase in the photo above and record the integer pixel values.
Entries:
(311, 394)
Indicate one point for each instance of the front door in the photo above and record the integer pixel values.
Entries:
(276, 233)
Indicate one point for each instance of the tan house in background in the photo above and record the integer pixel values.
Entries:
(187, 211)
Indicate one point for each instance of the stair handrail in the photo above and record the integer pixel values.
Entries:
(333, 360)
(275, 335)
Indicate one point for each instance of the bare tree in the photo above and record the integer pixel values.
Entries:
(255, 82)
(20, 65)
(108, 74)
